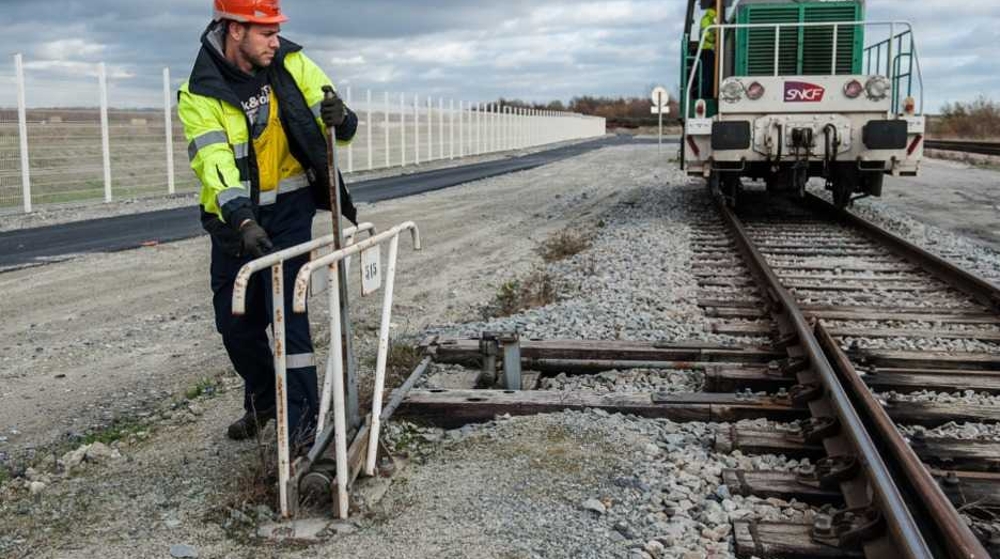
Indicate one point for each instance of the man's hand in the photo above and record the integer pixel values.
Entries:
(332, 110)
(254, 239)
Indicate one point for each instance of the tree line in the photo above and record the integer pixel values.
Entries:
(975, 120)
(620, 112)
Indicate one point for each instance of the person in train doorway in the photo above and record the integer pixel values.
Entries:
(256, 115)
(709, 18)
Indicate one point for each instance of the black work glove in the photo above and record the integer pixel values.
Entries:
(254, 240)
(332, 110)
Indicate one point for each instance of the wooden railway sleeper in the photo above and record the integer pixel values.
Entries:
(849, 528)
(829, 472)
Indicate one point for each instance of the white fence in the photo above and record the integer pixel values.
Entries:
(73, 154)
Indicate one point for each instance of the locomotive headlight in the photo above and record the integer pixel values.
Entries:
(755, 91)
(732, 91)
(877, 88)
(853, 89)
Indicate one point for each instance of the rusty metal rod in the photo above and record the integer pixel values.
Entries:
(597, 365)
(958, 540)
(898, 516)
(400, 393)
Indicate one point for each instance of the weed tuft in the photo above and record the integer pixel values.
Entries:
(204, 387)
(513, 296)
(117, 431)
(563, 245)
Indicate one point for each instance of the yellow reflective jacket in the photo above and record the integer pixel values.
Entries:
(708, 20)
(219, 139)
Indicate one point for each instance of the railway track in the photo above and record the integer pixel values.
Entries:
(848, 342)
(983, 148)
(871, 326)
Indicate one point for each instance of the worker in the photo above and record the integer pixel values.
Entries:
(256, 116)
(709, 18)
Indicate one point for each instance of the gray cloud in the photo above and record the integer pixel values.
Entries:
(537, 50)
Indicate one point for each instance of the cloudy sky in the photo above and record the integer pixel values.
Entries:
(537, 50)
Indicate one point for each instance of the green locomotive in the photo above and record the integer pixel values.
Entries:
(783, 91)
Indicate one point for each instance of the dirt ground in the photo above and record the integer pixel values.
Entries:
(951, 195)
(124, 337)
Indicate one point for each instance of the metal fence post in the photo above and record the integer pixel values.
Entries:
(350, 146)
(416, 130)
(402, 129)
(371, 124)
(430, 129)
(520, 128)
(22, 133)
(505, 122)
(461, 131)
(102, 78)
(388, 161)
(169, 128)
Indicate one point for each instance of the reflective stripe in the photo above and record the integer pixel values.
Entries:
(241, 150)
(205, 140)
(293, 183)
(230, 194)
(300, 361)
(316, 109)
(284, 187)
(268, 197)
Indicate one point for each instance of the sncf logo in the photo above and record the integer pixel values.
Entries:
(802, 92)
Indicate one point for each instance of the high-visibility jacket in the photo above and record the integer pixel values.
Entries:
(708, 20)
(222, 153)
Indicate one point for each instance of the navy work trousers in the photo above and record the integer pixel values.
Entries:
(288, 222)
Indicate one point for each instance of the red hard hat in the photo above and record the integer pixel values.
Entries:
(264, 12)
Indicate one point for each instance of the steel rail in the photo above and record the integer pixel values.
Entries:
(964, 146)
(972, 285)
(960, 541)
(900, 521)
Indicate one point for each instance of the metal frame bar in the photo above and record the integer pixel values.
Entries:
(333, 384)
(276, 261)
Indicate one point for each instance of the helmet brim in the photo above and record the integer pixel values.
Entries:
(268, 20)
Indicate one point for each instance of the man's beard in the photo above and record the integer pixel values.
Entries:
(258, 62)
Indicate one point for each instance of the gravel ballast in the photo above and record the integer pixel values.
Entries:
(569, 484)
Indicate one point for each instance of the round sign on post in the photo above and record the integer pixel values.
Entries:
(661, 100)
(660, 97)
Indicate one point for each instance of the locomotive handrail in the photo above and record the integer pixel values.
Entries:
(721, 28)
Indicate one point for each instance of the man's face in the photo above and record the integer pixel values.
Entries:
(259, 44)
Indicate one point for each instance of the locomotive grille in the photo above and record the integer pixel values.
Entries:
(803, 51)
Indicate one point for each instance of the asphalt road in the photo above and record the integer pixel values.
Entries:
(29, 247)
